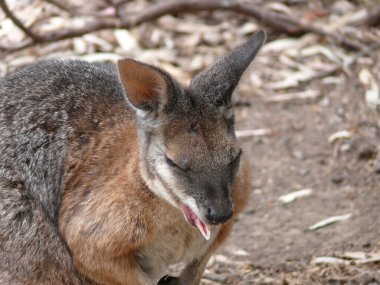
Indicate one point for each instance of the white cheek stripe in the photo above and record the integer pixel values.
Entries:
(165, 174)
(159, 189)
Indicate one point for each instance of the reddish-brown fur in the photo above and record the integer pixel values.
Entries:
(107, 210)
(110, 176)
(143, 83)
(126, 184)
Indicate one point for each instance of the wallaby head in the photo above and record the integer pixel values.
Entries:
(189, 154)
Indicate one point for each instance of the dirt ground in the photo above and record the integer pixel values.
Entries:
(344, 177)
(271, 243)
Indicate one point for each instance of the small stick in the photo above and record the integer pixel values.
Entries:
(253, 133)
(281, 23)
(18, 23)
(310, 94)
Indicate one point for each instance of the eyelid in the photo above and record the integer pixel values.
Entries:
(171, 162)
(237, 157)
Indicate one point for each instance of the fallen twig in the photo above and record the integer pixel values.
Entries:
(278, 22)
(329, 221)
(292, 196)
(18, 23)
(60, 6)
(339, 135)
(345, 67)
(309, 94)
(372, 18)
(348, 258)
(329, 260)
(253, 133)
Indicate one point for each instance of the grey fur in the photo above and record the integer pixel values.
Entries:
(218, 82)
(43, 108)
(39, 110)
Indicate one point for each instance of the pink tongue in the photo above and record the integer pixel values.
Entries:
(197, 222)
(202, 228)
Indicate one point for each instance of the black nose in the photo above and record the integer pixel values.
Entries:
(219, 216)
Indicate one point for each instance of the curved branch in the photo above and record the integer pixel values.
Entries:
(372, 19)
(281, 23)
(17, 22)
(273, 20)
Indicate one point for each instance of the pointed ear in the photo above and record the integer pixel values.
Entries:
(217, 83)
(144, 85)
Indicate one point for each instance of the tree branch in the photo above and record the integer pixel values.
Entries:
(373, 17)
(280, 23)
(17, 22)
(59, 5)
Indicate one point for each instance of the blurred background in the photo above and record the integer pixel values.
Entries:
(306, 110)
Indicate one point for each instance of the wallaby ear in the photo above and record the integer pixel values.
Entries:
(145, 86)
(217, 83)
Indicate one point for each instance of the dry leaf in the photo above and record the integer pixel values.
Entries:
(339, 135)
(329, 221)
(104, 45)
(372, 93)
(293, 79)
(253, 133)
(329, 260)
(292, 196)
(80, 46)
(309, 94)
(319, 49)
(102, 57)
(277, 46)
(126, 41)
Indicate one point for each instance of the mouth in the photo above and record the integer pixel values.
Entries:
(197, 222)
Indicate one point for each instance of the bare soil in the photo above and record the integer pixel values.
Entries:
(344, 177)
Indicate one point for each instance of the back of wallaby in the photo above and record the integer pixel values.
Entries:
(109, 175)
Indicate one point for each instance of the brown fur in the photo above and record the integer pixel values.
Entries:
(110, 176)
(102, 224)
(143, 85)
(121, 208)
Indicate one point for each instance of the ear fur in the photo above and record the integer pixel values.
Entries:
(145, 86)
(216, 84)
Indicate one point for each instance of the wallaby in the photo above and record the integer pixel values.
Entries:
(109, 175)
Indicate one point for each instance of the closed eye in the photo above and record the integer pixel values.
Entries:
(172, 164)
(236, 159)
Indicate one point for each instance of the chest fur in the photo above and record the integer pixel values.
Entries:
(107, 212)
(176, 242)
